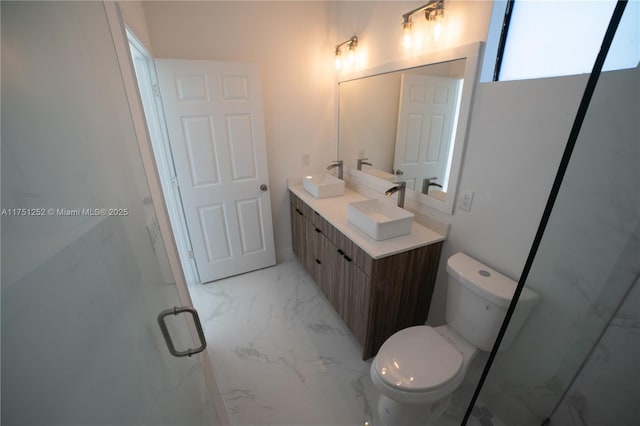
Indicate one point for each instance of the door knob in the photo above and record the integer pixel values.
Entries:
(264, 187)
(399, 172)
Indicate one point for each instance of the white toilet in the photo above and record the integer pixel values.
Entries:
(418, 368)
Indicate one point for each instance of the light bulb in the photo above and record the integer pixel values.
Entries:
(338, 61)
(437, 30)
(438, 16)
(407, 38)
(352, 55)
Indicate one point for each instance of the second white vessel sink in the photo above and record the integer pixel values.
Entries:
(379, 220)
(323, 185)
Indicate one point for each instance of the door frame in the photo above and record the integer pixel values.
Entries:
(159, 139)
(121, 44)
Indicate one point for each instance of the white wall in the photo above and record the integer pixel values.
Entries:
(293, 42)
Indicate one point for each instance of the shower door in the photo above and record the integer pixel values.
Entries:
(84, 273)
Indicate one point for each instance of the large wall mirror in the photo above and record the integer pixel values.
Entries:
(407, 121)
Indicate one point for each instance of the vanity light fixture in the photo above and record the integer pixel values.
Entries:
(351, 44)
(433, 12)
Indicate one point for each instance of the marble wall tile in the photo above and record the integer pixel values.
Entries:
(607, 389)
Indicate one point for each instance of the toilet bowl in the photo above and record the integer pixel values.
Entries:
(418, 368)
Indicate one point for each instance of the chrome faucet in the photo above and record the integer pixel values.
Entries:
(427, 182)
(400, 188)
(337, 164)
(362, 161)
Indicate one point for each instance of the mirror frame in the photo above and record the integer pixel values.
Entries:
(472, 54)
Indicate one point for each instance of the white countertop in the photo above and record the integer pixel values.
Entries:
(334, 210)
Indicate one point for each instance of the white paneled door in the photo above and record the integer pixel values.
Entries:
(215, 121)
(426, 122)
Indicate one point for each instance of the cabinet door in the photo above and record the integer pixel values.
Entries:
(356, 290)
(311, 253)
(298, 232)
(302, 239)
(350, 292)
(316, 257)
(342, 273)
(325, 265)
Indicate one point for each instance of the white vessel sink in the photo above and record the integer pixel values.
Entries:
(323, 185)
(379, 220)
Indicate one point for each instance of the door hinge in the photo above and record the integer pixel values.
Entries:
(175, 182)
(191, 255)
(156, 90)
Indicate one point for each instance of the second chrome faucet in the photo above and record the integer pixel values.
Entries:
(363, 161)
(400, 188)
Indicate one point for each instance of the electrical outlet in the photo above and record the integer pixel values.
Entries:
(306, 160)
(466, 198)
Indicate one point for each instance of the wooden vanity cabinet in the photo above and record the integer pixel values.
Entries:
(374, 297)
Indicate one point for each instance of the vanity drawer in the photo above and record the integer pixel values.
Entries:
(303, 208)
(349, 249)
(296, 202)
(312, 215)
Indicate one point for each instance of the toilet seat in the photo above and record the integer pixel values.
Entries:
(418, 360)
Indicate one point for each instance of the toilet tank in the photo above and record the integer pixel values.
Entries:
(477, 301)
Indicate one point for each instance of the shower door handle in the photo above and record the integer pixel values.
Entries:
(167, 336)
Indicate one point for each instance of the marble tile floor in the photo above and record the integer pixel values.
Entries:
(283, 356)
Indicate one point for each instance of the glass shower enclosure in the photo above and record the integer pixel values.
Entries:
(84, 273)
(575, 360)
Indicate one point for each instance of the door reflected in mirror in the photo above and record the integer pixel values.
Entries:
(409, 120)
(403, 123)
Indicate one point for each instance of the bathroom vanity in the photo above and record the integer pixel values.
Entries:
(377, 287)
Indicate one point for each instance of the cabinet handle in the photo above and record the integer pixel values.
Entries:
(347, 258)
(340, 252)
(318, 262)
(299, 212)
(318, 230)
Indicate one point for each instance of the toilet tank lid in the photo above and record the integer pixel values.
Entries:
(487, 282)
